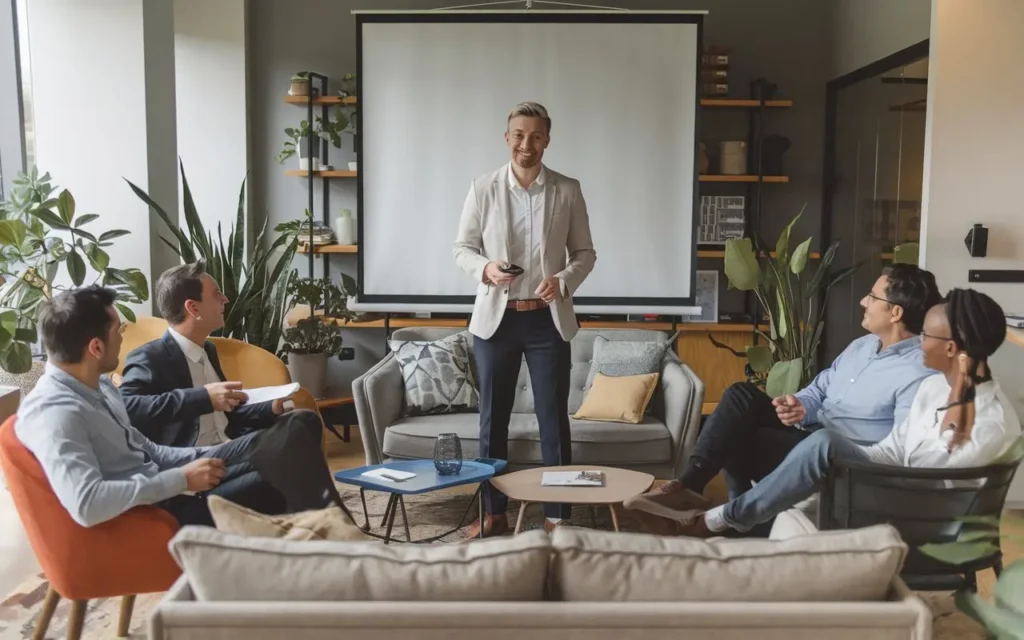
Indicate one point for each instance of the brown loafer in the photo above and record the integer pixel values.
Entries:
(494, 525)
(670, 500)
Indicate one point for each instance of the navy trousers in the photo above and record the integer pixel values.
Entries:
(498, 359)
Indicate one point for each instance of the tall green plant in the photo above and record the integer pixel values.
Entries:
(787, 296)
(256, 288)
(38, 234)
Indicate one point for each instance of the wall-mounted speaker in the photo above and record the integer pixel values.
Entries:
(977, 241)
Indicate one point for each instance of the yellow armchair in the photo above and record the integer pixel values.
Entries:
(249, 364)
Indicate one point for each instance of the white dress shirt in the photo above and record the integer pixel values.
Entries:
(920, 440)
(212, 426)
(526, 213)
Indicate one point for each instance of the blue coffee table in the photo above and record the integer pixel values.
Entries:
(427, 479)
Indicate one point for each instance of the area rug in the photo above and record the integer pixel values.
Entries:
(428, 515)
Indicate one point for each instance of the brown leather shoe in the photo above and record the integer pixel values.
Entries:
(669, 500)
(696, 528)
(494, 525)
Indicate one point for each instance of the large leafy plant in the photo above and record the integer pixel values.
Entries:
(256, 285)
(788, 296)
(1003, 616)
(318, 333)
(40, 233)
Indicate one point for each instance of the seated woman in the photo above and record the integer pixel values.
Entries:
(959, 418)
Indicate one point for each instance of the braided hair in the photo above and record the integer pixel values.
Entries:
(977, 327)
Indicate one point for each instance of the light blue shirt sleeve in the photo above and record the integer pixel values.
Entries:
(63, 448)
(813, 395)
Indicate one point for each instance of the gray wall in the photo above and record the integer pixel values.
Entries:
(869, 30)
(787, 41)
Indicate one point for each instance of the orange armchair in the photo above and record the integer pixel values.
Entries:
(121, 557)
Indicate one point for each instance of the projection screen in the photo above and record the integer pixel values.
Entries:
(435, 90)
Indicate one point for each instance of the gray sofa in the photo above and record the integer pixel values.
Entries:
(657, 445)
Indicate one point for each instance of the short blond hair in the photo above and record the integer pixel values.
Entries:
(530, 110)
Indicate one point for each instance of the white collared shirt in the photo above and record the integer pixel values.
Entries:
(526, 211)
(212, 426)
(921, 441)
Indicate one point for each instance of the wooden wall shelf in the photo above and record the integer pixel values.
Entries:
(329, 248)
(683, 327)
(323, 174)
(347, 100)
(730, 103)
(714, 253)
(765, 179)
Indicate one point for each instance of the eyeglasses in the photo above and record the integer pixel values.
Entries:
(871, 294)
(943, 338)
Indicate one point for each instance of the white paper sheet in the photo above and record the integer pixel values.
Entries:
(266, 394)
(382, 474)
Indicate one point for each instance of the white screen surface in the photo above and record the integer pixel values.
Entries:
(434, 101)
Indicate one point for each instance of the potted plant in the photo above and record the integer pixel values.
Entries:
(786, 362)
(299, 138)
(40, 233)
(299, 84)
(348, 85)
(316, 338)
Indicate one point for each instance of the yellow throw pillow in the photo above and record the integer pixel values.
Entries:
(320, 524)
(618, 398)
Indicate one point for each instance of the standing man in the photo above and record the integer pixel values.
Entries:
(524, 215)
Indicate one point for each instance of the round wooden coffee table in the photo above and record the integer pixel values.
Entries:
(619, 484)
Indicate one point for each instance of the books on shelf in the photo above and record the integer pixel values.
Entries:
(573, 479)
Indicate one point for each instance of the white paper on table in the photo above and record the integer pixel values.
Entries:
(572, 479)
(382, 474)
(266, 394)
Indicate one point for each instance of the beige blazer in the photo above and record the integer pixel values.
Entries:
(567, 251)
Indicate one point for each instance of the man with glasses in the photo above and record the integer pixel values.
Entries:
(867, 390)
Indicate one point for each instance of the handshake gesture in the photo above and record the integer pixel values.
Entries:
(789, 409)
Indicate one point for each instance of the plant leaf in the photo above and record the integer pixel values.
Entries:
(782, 245)
(86, 219)
(784, 378)
(76, 267)
(16, 357)
(781, 313)
(50, 218)
(98, 258)
(741, 264)
(799, 261)
(958, 552)
(184, 248)
(66, 206)
(12, 233)
(113, 233)
(128, 314)
(759, 357)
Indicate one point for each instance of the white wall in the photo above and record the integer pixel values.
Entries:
(90, 113)
(869, 30)
(210, 83)
(974, 135)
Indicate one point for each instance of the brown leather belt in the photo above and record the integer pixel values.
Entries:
(533, 304)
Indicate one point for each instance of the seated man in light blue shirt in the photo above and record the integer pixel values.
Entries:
(75, 423)
(869, 388)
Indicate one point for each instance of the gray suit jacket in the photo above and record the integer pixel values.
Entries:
(567, 251)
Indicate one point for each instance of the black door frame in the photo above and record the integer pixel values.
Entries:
(832, 88)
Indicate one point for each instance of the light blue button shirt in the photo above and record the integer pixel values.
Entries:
(866, 391)
(98, 464)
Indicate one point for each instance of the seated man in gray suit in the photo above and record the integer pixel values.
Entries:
(525, 215)
(174, 388)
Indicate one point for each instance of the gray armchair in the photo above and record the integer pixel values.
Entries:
(658, 445)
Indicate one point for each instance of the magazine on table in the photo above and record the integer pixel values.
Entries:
(573, 479)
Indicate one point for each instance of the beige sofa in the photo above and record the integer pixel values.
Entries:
(575, 583)
(659, 445)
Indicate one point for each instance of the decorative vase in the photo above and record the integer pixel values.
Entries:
(309, 158)
(448, 454)
(309, 370)
(343, 231)
(353, 166)
(299, 87)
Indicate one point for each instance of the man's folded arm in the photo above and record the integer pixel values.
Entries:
(66, 455)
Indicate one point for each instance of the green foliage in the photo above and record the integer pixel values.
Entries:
(329, 130)
(317, 334)
(906, 253)
(256, 288)
(1004, 615)
(786, 362)
(38, 234)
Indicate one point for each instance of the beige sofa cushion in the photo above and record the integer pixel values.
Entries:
(226, 567)
(849, 565)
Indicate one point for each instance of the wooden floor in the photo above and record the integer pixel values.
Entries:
(342, 455)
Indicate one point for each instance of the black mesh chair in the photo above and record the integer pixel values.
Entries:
(925, 506)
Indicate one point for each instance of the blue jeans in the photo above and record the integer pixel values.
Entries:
(796, 479)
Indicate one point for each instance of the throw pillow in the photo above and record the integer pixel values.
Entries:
(320, 524)
(625, 358)
(618, 398)
(438, 375)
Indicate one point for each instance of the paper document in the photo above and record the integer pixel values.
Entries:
(266, 394)
(391, 475)
(572, 479)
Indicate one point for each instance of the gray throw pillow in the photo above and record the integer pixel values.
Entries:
(625, 358)
(438, 375)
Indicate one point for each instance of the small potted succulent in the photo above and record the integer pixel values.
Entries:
(316, 338)
(299, 84)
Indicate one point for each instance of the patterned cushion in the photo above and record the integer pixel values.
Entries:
(438, 375)
(625, 358)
